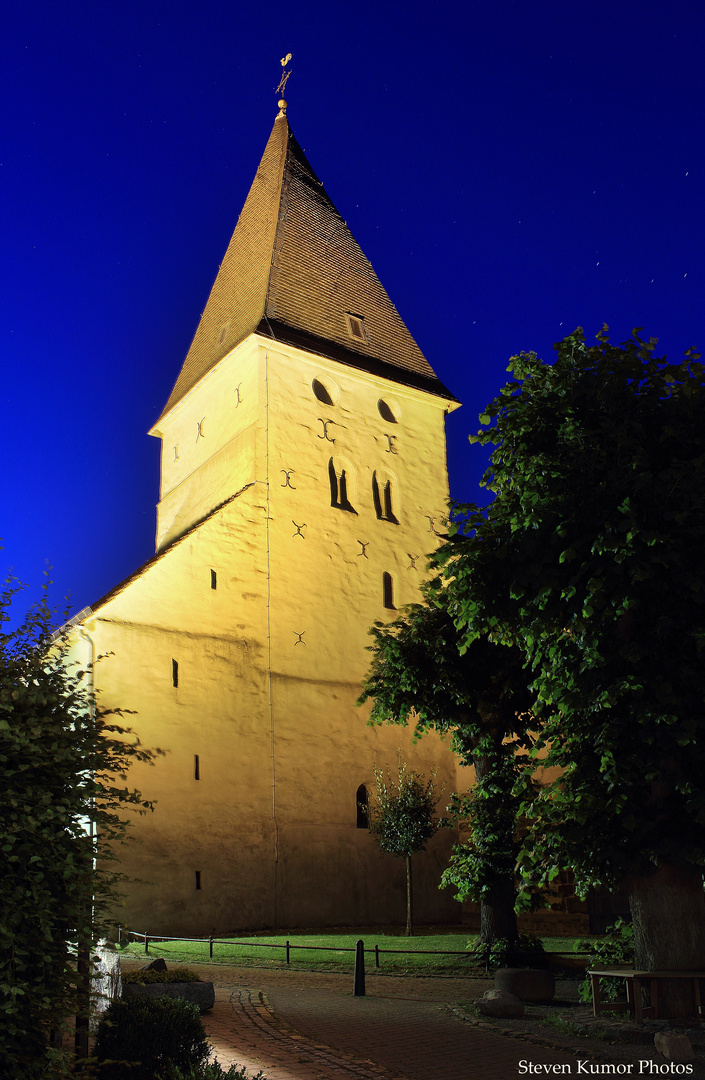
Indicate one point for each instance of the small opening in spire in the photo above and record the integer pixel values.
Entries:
(356, 326)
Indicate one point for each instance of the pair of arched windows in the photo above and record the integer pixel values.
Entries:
(343, 494)
(342, 484)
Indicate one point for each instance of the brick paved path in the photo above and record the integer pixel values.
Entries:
(308, 1026)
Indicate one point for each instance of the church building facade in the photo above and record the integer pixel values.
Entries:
(303, 482)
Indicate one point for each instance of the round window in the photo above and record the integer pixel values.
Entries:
(326, 391)
(388, 410)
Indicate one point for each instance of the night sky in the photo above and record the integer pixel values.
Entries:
(511, 169)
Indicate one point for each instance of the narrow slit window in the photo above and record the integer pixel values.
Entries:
(198, 878)
(214, 580)
(362, 802)
(175, 672)
(196, 767)
(388, 590)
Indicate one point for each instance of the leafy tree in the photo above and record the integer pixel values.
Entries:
(481, 698)
(401, 814)
(63, 768)
(590, 559)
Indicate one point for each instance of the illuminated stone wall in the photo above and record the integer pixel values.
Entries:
(258, 608)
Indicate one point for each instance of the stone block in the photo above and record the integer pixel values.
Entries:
(156, 965)
(674, 1047)
(499, 1003)
(528, 984)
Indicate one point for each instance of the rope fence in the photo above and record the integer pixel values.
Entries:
(287, 946)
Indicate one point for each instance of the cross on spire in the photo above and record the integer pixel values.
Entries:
(282, 84)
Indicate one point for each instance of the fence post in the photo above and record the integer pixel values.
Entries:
(210, 947)
(359, 990)
(376, 955)
(288, 956)
(146, 945)
(119, 934)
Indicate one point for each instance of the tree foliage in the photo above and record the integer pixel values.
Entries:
(481, 699)
(402, 817)
(589, 560)
(64, 794)
(402, 810)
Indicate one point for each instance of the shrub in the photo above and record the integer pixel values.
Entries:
(527, 951)
(149, 975)
(139, 1037)
(617, 947)
(210, 1071)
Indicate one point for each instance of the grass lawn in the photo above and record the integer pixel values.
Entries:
(336, 951)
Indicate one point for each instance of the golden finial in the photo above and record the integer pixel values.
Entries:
(282, 84)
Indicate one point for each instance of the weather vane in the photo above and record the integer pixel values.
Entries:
(282, 84)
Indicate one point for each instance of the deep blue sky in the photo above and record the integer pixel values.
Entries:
(512, 169)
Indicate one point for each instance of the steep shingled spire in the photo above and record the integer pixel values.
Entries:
(294, 272)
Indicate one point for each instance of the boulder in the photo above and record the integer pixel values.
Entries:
(199, 993)
(528, 984)
(499, 1003)
(156, 965)
(673, 1047)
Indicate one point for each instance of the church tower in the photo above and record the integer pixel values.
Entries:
(303, 477)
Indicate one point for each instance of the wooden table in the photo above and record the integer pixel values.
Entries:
(635, 980)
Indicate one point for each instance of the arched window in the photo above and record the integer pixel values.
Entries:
(362, 802)
(383, 497)
(341, 485)
(388, 590)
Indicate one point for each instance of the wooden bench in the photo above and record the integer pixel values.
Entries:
(635, 981)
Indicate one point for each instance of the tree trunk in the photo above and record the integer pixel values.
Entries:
(83, 967)
(668, 912)
(409, 932)
(497, 915)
